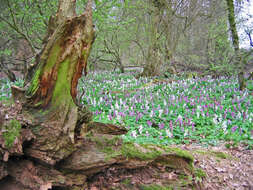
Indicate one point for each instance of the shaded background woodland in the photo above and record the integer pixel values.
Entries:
(188, 35)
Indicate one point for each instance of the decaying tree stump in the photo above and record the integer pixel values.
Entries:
(48, 142)
(98, 151)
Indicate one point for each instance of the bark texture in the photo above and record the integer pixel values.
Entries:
(154, 58)
(53, 89)
(235, 39)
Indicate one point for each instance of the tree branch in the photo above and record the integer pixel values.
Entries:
(15, 28)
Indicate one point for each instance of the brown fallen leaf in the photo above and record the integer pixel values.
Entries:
(94, 188)
(6, 156)
(46, 186)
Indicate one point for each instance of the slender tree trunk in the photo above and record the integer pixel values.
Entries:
(154, 58)
(235, 39)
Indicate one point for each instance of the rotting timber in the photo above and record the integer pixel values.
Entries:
(58, 145)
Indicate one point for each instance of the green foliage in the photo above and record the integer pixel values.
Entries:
(5, 89)
(11, 132)
(215, 108)
(250, 85)
(154, 187)
(200, 173)
(220, 50)
(26, 19)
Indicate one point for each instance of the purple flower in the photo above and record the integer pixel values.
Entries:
(233, 129)
(161, 125)
(189, 122)
(149, 123)
(193, 126)
(131, 113)
(171, 125)
(180, 120)
(244, 116)
(122, 114)
(235, 109)
(233, 114)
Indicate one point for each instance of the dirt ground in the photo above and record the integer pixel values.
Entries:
(226, 169)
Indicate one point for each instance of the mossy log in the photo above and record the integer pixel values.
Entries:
(98, 150)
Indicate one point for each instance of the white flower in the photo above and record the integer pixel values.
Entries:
(164, 102)
(151, 113)
(119, 118)
(215, 120)
(117, 105)
(239, 115)
(180, 117)
(169, 134)
(197, 114)
(186, 133)
(224, 126)
(140, 129)
(160, 113)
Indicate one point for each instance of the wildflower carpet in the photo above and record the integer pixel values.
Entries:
(210, 118)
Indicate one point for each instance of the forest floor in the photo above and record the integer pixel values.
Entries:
(226, 169)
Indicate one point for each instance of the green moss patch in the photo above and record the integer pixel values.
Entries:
(154, 187)
(199, 173)
(216, 154)
(11, 132)
(182, 153)
(143, 152)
